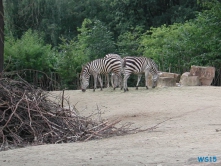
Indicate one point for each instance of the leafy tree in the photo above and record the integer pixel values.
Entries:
(178, 46)
(95, 39)
(29, 52)
(69, 63)
(56, 18)
(170, 31)
(1, 36)
(128, 43)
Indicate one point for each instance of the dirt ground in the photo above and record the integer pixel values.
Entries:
(191, 128)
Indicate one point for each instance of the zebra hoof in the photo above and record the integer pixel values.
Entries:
(114, 88)
(101, 89)
(147, 87)
(136, 87)
(94, 90)
(127, 89)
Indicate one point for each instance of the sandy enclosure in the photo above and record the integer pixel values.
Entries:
(191, 128)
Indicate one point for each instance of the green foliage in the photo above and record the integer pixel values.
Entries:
(29, 52)
(95, 39)
(128, 43)
(70, 59)
(60, 36)
(178, 46)
(56, 18)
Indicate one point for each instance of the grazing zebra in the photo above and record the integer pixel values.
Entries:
(115, 79)
(139, 65)
(98, 67)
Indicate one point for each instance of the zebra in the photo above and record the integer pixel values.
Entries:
(115, 79)
(139, 65)
(98, 67)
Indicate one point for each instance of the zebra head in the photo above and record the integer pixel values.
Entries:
(84, 78)
(154, 72)
(155, 79)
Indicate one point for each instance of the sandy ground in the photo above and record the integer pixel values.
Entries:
(191, 128)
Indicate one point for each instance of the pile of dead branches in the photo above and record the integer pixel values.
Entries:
(30, 116)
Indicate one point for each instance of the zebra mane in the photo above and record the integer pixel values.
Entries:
(84, 66)
(152, 62)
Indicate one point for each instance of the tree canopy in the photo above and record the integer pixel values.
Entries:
(60, 36)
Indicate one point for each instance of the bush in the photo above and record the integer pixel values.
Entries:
(29, 52)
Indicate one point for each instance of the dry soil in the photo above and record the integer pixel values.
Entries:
(190, 128)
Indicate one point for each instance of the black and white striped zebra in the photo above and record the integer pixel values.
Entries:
(115, 79)
(139, 65)
(98, 67)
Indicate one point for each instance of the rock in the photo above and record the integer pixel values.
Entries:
(170, 75)
(187, 80)
(193, 81)
(166, 74)
(205, 74)
(177, 77)
(166, 81)
(183, 79)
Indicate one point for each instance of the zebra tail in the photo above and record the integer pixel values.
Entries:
(124, 62)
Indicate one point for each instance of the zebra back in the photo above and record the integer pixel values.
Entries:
(134, 64)
(116, 56)
(102, 66)
(113, 55)
(139, 64)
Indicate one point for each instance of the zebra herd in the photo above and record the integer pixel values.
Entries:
(113, 63)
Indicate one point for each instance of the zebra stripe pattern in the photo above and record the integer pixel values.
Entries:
(116, 56)
(139, 65)
(116, 80)
(98, 67)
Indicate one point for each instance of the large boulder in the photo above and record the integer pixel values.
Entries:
(205, 74)
(187, 80)
(170, 75)
(165, 79)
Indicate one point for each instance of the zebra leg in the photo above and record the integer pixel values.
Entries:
(138, 80)
(101, 82)
(117, 80)
(95, 81)
(125, 82)
(146, 78)
(107, 76)
(122, 78)
(108, 80)
(120, 82)
(112, 79)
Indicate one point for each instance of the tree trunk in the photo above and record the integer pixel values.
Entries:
(1, 36)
